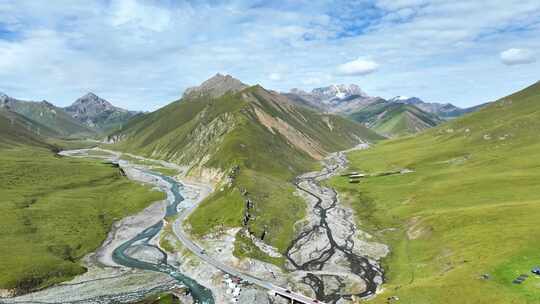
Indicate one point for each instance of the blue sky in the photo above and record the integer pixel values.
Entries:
(143, 54)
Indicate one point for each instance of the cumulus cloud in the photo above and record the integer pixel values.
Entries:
(517, 56)
(358, 67)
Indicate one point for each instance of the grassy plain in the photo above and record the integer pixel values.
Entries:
(55, 210)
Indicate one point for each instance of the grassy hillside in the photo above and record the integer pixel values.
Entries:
(48, 115)
(55, 210)
(16, 129)
(269, 139)
(395, 119)
(110, 121)
(470, 208)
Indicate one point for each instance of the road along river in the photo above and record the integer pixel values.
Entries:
(121, 255)
(329, 239)
(132, 245)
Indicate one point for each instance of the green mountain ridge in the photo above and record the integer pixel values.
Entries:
(395, 119)
(192, 131)
(46, 114)
(16, 130)
(251, 140)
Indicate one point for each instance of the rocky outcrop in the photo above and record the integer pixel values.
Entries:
(216, 86)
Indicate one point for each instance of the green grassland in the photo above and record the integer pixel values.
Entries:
(470, 208)
(55, 210)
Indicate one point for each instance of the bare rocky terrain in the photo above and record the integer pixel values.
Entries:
(331, 256)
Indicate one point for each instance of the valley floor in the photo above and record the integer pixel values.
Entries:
(359, 274)
(54, 211)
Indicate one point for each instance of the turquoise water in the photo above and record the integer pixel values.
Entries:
(199, 293)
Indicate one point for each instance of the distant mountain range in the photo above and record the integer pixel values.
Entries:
(395, 119)
(46, 114)
(389, 117)
(334, 99)
(89, 115)
(443, 110)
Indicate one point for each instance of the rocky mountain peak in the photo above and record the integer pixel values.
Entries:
(91, 100)
(216, 86)
(336, 98)
(339, 91)
(91, 105)
(96, 112)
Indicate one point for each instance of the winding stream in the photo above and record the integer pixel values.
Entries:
(199, 293)
(326, 253)
(120, 255)
(335, 239)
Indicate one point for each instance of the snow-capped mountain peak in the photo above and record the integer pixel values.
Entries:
(334, 98)
(337, 91)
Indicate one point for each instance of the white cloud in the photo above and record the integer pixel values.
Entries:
(358, 67)
(517, 56)
(142, 54)
(134, 13)
(275, 76)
